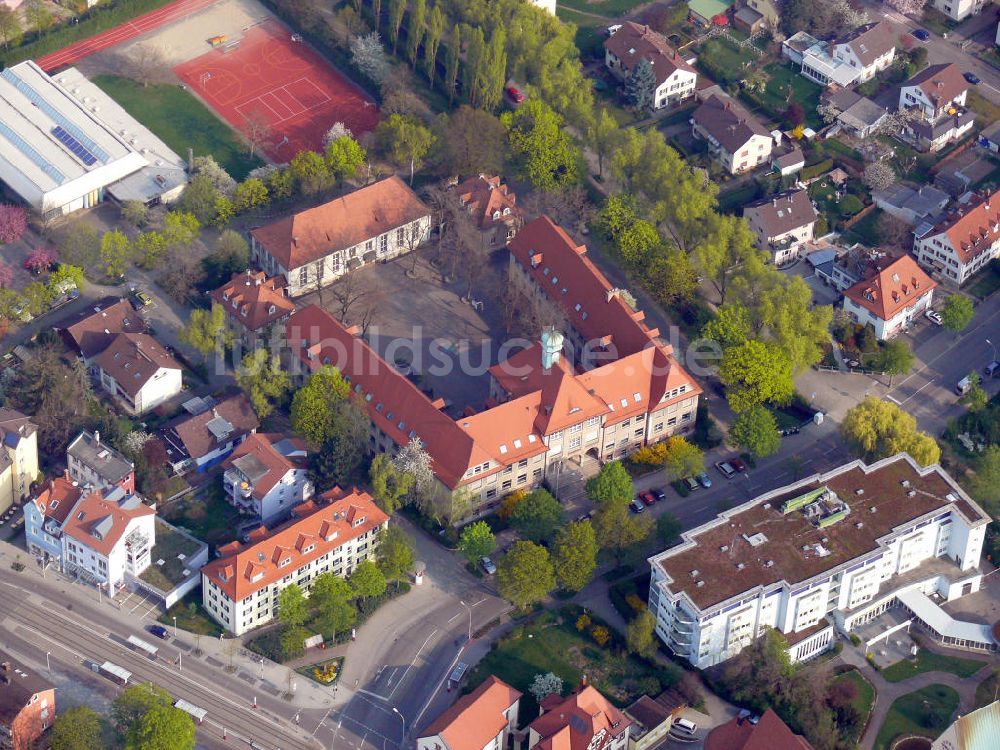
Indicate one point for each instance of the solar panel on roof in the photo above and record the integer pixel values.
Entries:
(75, 147)
(25, 148)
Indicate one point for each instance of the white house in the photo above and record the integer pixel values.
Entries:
(329, 534)
(315, 247)
(958, 10)
(674, 79)
(200, 441)
(782, 224)
(484, 719)
(735, 138)
(832, 551)
(138, 373)
(964, 242)
(547, 5)
(888, 299)
(935, 97)
(92, 463)
(854, 58)
(266, 476)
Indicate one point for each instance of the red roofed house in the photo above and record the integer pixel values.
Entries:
(674, 79)
(27, 705)
(619, 389)
(200, 441)
(93, 332)
(138, 373)
(266, 476)
(586, 720)
(769, 733)
(493, 208)
(895, 293)
(963, 243)
(482, 720)
(46, 512)
(315, 247)
(936, 97)
(255, 306)
(736, 139)
(329, 534)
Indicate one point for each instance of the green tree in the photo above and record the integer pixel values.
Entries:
(668, 529)
(435, 31)
(327, 587)
(180, 229)
(492, 74)
(682, 459)
(80, 245)
(477, 541)
(262, 379)
(249, 194)
(525, 574)
(344, 157)
(292, 606)
(640, 86)
(785, 309)
(957, 312)
(293, 642)
(207, 331)
(603, 135)
(475, 49)
(225, 210)
(148, 249)
(611, 486)
(315, 412)
(538, 516)
(339, 460)
(728, 244)
(396, 10)
(985, 485)
(331, 595)
(975, 398)
(639, 635)
(38, 16)
(114, 253)
(404, 140)
(470, 142)
(36, 297)
(756, 372)
(76, 728)
(310, 172)
(541, 146)
(395, 553)
(367, 580)
(199, 198)
(281, 184)
(452, 61)
(162, 728)
(618, 531)
(415, 30)
(756, 431)
(877, 429)
(895, 358)
(574, 555)
(390, 485)
(67, 275)
(638, 242)
(10, 27)
(134, 702)
(135, 213)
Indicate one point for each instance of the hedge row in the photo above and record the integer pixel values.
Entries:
(817, 169)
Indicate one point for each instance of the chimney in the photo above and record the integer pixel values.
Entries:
(583, 680)
(552, 343)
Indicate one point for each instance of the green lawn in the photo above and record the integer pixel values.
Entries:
(928, 661)
(732, 201)
(205, 514)
(191, 617)
(169, 545)
(610, 8)
(925, 712)
(835, 146)
(805, 92)
(987, 691)
(181, 121)
(723, 61)
(864, 699)
(864, 231)
(986, 282)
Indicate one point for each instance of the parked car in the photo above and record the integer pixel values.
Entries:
(934, 317)
(636, 507)
(922, 34)
(789, 431)
(487, 565)
(971, 78)
(515, 94)
(646, 498)
(139, 299)
(691, 483)
(726, 469)
(738, 464)
(660, 495)
(992, 370)
(158, 630)
(704, 480)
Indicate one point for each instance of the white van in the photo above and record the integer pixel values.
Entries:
(962, 386)
(688, 727)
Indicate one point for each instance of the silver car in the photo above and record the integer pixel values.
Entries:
(487, 565)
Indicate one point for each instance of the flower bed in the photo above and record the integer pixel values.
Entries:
(325, 672)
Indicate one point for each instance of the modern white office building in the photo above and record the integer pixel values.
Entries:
(829, 553)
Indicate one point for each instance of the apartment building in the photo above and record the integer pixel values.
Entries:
(96, 464)
(606, 388)
(46, 512)
(736, 139)
(27, 705)
(962, 243)
(138, 373)
(18, 457)
(484, 719)
(959, 10)
(673, 79)
(493, 208)
(584, 719)
(894, 294)
(255, 306)
(830, 552)
(197, 442)
(782, 224)
(266, 476)
(315, 247)
(331, 533)
(936, 99)
(94, 330)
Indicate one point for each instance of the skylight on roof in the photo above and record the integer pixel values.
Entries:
(532, 439)
(637, 396)
(625, 402)
(517, 443)
(503, 449)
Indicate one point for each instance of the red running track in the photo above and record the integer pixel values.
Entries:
(128, 30)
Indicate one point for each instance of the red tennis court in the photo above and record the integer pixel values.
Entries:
(287, 84)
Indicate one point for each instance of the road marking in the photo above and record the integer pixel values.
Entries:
(373, 695)
(412, 662)
(929, 382)
(890, 398)
(454, 618)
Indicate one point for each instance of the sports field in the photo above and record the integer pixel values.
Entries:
(181, 121)
(263, 74)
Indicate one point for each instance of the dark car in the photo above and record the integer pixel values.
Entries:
(738, 465)
(636, 507)
(789, 431)
(922, 34)
(158, 630)
(726, 468)
(972, 78)
(647, 498)
(660, 495)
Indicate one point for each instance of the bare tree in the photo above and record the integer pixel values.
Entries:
(356, 296)
(256, 130)
(147, 62)
(894, 232)
(413, 235)
(568, 207)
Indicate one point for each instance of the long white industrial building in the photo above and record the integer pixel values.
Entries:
(64, 142)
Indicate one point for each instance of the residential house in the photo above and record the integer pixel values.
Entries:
(27, 705)
(92, 463)
(493, 208)
(962, 243)
(315, 247)
(200, 441)
(266, 476)
(959, 10)
(935, 99)
(95, 329)
(651, 719)
(256, 306)
(585, 719)
(894, 295)
(782, 224)
(853, 58)
(546, 5)
(108, 537)
(743, 732)
(832, 551)
(673, 79)
(46, 512)
(913, 204)
(857, 115)
(484, 719)
(788, 160)
(769, 9)
(842, 267)
(749, 20)
(332, 533)
(618, 387)
(735, 138)
(18, 457)
(138, 373)
(708, 12)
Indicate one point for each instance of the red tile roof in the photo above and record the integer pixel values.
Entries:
(728, 122)
(940, 83)
(99, 523)
(132, 359)
(340, 517)
(257, 454)
(892, 288)
(633, 42)
(95, 330)
(976, 229)
(770, 733)
(474, 720)
(344, 222)
(571, 724)
(56, 498)
(196, 437)
(254, 300)
(487, 198)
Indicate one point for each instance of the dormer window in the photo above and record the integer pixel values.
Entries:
(506, 212)
(359, 521)
(225, 296)
(496, 214)
(285, 563)
(308, 549)
(331, 536)
(271, 310)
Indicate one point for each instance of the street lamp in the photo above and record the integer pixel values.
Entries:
(175, 627)
(470, 616)
(400, 715)
(262, 667)
(47, 667)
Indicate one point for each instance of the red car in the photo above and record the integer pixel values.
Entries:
(515, 93)
(647, 498)
(738, 465)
